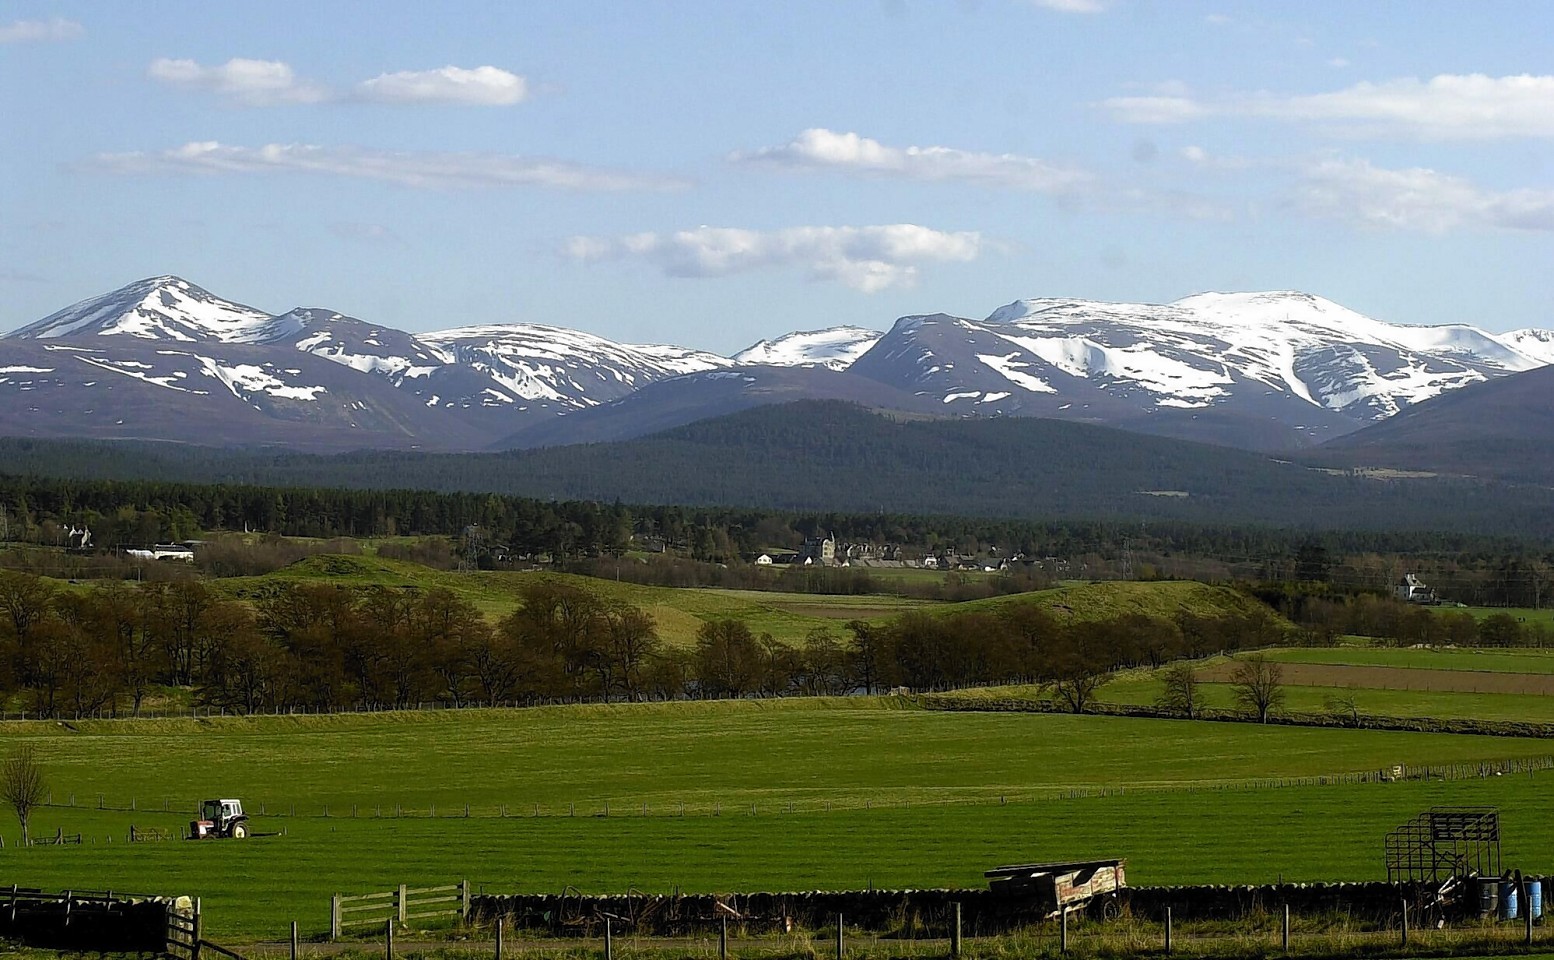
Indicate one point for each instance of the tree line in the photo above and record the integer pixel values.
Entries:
(106, 649)
(586, 535)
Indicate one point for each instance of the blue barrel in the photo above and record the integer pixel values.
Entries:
(1488, 898)
(1535, 898)
(1510, 903)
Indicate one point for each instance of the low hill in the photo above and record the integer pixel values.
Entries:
(1108, 600)
(678, 612)
(838, 457)
(1502, 429)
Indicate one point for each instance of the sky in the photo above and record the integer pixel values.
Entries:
(713, 173)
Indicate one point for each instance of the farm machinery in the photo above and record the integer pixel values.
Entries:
(220, 819)
(1054, 889)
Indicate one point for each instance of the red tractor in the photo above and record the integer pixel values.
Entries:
(220, 818)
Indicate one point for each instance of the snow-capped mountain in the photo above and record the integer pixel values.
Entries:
(210, 393)
(1287, 366)
(533, 364)
(518, 368)
(1260, 370)
(834, 347)
(159, 308)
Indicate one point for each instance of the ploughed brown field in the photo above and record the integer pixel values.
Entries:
(1397, 678)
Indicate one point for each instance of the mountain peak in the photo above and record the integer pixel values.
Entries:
(833, 347)
(156, 308)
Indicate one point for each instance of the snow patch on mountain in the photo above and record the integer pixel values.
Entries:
(834, 347)
(247, 379)
(1012, 369)
(1533, 343)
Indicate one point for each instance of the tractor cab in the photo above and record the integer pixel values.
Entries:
(220, 818)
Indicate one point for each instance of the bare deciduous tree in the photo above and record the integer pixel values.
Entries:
(22, 784)
(1183, 694)
(1259, 685)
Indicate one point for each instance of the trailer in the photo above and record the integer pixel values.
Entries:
(1057, 888)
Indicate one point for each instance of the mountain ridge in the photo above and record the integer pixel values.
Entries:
(1264, 371)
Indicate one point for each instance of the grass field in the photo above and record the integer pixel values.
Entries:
(1466, 658)
(845, 793)
(1458, 684)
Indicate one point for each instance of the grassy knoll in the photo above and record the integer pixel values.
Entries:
(679, 612)
(843, 792)
(1104, 600)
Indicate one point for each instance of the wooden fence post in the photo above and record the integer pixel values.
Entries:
(294, 940)
(1526, 908)
(609, 941)
(501, 922)
(723, 938)
(839, 937)
(1405, 923)
(1063, 930)
(334, 917)
(388, 939)
(399, 901)
(199, 929)
(1168, 931)
(1286, 938)
(955, 930)
(464, 900)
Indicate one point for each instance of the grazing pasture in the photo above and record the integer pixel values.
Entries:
(1467, 683)
(776, 794)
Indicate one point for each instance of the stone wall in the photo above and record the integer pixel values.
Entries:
(918, 911)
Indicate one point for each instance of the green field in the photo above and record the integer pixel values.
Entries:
(1145, 686)
(1390, 703)
(785, 794)
(1466, 658)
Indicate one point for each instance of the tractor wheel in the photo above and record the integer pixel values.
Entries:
(239, 831)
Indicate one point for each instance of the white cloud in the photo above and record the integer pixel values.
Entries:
(865, 258)
(821, 149)
(483, 86)
(1445, 107)
(264, 82)
(1157, 109)
(40, 31)
(426, 169)
(251, 82)
(1418, 199)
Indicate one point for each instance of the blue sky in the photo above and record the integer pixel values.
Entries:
(713, 173)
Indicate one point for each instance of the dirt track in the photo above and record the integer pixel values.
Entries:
(1399, 678)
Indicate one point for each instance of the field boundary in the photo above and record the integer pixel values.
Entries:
(399, 905)
(961, 702)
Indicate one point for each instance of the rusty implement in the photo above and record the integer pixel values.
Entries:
(1057, 888)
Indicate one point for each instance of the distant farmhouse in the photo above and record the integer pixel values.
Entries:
(164, 551)
(820, 551)
(1413, 590)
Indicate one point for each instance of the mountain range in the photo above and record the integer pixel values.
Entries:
(164, 359)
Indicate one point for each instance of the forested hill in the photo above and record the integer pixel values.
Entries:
(829, 456)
